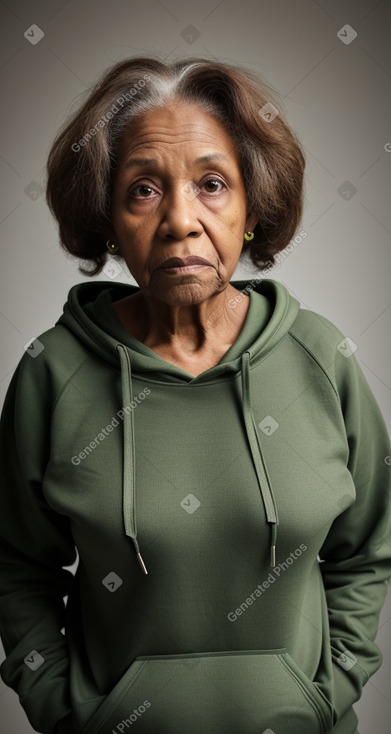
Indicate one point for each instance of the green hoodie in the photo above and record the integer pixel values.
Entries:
(232, 529)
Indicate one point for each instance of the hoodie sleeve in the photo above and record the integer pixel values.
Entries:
(356, 554)
(35, 544)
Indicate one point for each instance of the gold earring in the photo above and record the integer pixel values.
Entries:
(112, 247)
(249, 235)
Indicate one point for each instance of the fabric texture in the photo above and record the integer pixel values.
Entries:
(232, 530)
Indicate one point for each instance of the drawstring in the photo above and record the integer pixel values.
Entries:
(129, 469)
(256, 450)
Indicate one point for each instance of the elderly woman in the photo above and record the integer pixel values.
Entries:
(161, 434)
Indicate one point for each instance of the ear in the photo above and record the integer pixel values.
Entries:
(109, 234)
(251, 222)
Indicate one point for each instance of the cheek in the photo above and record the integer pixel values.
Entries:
(236, 217)
(132, 234)
(235, 239)
(124, 223)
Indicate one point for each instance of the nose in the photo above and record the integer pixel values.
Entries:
(181, 214)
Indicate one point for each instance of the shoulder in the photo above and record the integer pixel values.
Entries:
(325, 343)
(316, 332)
(55, 347)
(335, 353)
(48, 362)
(55, 342)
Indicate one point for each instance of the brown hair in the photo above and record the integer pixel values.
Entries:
(82, 159)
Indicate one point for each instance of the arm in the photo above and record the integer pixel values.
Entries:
(357, 552)
(35, 543)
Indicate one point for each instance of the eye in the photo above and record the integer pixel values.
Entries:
(214, 181)
(145, 187)
(142, 186)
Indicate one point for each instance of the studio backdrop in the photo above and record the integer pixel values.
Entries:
(330, 62)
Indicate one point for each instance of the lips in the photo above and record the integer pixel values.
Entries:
(177, 262)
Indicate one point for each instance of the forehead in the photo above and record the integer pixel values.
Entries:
(176, 126)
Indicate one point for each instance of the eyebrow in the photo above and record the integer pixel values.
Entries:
(152, 161)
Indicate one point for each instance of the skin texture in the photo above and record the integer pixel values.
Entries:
(183, 317)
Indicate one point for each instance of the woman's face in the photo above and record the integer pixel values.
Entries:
(177, 207)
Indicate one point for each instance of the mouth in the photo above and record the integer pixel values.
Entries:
(185, 265)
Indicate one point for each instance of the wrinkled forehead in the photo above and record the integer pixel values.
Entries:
(183, 130)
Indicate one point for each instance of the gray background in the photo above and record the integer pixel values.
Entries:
(336, 98)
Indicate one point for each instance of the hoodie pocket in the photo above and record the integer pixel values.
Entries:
(246, 691)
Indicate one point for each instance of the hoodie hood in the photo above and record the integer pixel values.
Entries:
(89, 316)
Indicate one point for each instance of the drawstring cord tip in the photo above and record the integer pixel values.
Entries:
(273, 544)
(139, 556)
(141, 562)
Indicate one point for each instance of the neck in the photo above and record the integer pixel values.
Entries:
(194, 328)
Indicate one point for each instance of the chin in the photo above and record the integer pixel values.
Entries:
(185, 294)
(187, 291)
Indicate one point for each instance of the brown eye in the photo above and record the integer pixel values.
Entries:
(214, 181)
(143, 188)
